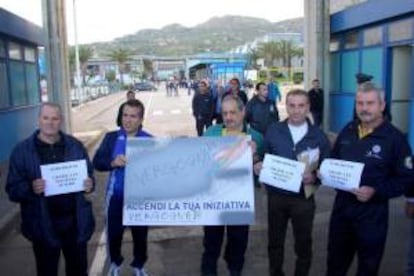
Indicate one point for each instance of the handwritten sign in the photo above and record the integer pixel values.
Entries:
(65, 177)
(340, 174)
(188, 181)
(282, 173)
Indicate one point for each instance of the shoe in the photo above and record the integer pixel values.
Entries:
(140, 272)
(114, 270)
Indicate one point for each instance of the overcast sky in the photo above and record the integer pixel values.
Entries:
(104, 20)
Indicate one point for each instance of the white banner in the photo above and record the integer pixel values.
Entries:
(188, 181)
(64, 177)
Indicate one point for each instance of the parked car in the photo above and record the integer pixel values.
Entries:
(145, 86)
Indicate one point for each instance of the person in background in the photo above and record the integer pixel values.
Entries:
(274, 93)
(203, 107)
(260, 111)
(316, 102)
(110, 157)
(58, 223)
(409, 210)
(235, 89)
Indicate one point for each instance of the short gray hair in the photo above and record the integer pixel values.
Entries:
(53, 105)
(234, 98)
(369, 86)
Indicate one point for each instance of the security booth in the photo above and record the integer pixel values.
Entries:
(20, 94)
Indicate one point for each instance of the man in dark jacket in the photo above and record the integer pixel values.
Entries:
(56, 223)
(316, 102)
(110, 156)
(203, 107)
(260, 111)
(359, 219)
(294, 139)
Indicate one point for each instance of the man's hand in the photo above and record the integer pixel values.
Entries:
(119, 161)
(257, 167)
(88, 184)
(309, 178)
(364, 193)
(38, 186)
(409, 209)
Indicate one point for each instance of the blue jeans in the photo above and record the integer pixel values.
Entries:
(410, 263)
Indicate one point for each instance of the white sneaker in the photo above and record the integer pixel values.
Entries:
(140, 272)
(114, 270)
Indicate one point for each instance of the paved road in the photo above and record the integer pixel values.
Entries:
(176, 251)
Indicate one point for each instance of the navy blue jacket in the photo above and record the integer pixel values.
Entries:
(278, 141)
(24, 167)
(261, 114)
(386, 155)
(103, 156)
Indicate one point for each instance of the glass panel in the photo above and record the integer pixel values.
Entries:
(401, 30)
(2, 50)
(29, 54)
(4, 89)
(17, 83)
(373, 36)
(351, 40)
(32, 82)
(334, 45)
(15, 51)
(349, 68)
(334, 73)
(372, 63)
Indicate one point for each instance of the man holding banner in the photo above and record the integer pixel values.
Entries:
(297, 140)
(233, 112)
(110, 156)
(359, 219)
(62, 221)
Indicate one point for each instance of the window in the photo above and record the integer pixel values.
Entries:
(4, 89)
(17, 82)
(15, 51)
(351, 40)
(2, 50)
(334, 45)
(29, 54)
(373, 36)
(32, 82)
(401, 30)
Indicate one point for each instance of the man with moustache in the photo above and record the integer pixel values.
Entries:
(359, 219)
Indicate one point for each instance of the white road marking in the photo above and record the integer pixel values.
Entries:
(149, 102)
(100, 257)
(157, 113)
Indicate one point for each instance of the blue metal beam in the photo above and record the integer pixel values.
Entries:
(370, 12)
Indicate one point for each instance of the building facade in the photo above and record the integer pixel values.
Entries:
(375, 37)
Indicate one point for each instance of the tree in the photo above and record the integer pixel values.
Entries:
(270, 51)
(85, 53)
(121, 56)
(289, 51)
(253, 55)
(148, 67)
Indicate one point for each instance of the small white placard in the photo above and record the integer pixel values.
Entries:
(340, 174)
(282, 173)
(64, 177)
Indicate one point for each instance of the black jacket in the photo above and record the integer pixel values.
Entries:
(278, 141)
(261, 114)
(387, 158)
(23, 169)
(203, 105)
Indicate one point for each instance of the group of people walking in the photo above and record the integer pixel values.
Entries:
(359, 219)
